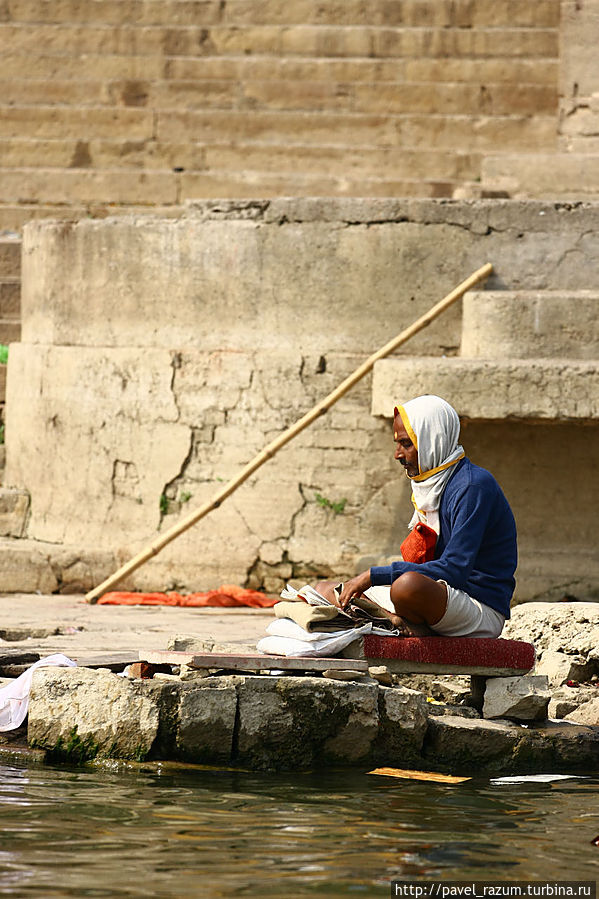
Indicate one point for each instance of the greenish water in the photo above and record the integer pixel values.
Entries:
(191, 832)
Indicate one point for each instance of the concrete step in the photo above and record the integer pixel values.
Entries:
(442, 13)
(485, 133)
(10, 298)
(522, 324)
(92, 122)
(10, 256)
(367, 97)
(366, 160)
(268, 184)
(493, 389)
(14, 216)
(295, 40)
(10, 330)
(76, 186)
(109, 67)
(543, 175)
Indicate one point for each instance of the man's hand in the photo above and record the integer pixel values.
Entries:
(354, 587)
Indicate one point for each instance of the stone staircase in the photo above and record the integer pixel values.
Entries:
(525, 356)
(145, 104)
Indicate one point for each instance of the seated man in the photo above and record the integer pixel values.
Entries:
(457, 574)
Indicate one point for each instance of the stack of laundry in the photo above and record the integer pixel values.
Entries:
(307, 624)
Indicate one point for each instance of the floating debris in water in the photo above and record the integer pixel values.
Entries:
(535, 778)
(420, 775)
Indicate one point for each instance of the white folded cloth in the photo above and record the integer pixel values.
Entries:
(14, 697)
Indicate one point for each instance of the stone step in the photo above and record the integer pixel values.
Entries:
(83, 186)
(267, 184)
(93, 122)
(110, 67)
(295, 40)
(10, 298)
(442, 13)
(485, 133)
(493, 389)
(122, 189)
(14, 216)
(508, 324)
(10, 330)
(10, 256)
(355, 161)
(455, 98)
(543, 175)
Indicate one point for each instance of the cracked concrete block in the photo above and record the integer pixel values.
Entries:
(294, 722)
(206, 720)
(115, 410)
(96, 713)
(523, 698)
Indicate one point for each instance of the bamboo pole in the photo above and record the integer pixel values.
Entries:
(274, 446)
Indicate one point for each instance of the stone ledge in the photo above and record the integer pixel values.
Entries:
(525, 390)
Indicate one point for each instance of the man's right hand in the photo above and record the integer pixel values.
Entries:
(354, 587)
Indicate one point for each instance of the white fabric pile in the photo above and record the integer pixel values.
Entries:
(287, 638)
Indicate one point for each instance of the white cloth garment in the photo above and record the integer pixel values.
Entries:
(434, 428)
(14, 697)
(328, 645)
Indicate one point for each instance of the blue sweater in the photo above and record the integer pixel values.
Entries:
(476, 550)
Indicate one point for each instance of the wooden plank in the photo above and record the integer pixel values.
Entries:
(250, 661)
(114, 661)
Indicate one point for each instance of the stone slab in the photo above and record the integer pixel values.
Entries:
(527, 389)
(252, 661)
(550, 324)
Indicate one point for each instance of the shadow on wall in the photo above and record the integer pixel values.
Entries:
(550, 475)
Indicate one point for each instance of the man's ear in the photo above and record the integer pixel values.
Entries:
(395, 412)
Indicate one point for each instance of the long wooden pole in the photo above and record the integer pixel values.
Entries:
(269, 451)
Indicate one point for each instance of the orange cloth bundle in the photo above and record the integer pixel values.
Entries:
(419, 545)
(227, 596)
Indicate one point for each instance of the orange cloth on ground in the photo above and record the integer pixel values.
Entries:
(228, 595)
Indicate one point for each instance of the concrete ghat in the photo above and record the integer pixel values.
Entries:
(284, 723)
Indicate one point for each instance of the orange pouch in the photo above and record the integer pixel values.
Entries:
(419, 545)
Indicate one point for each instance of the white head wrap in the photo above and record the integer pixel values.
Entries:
(433, 426)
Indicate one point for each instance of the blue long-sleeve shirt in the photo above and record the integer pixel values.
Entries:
(476, 550)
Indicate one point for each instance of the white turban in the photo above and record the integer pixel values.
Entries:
(433, 426)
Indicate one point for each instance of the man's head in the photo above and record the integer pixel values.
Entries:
(426, 431)
(405, 451)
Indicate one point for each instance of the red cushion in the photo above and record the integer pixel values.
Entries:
(466, 651)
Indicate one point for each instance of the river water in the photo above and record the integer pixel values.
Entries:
(178, 831)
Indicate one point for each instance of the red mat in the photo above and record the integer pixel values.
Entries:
(466, 651)
(227, 596)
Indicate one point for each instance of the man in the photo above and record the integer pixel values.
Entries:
(457, 573)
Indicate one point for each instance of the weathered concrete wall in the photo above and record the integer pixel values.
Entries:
(159, 357)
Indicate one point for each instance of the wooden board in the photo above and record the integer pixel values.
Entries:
(251, 662)
(114, 661)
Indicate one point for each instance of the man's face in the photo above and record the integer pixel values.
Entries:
(405, 451)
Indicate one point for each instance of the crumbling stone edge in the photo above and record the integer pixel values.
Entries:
(79, 715)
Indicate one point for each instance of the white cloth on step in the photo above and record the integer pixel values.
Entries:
(328, 645)
(14, 697)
